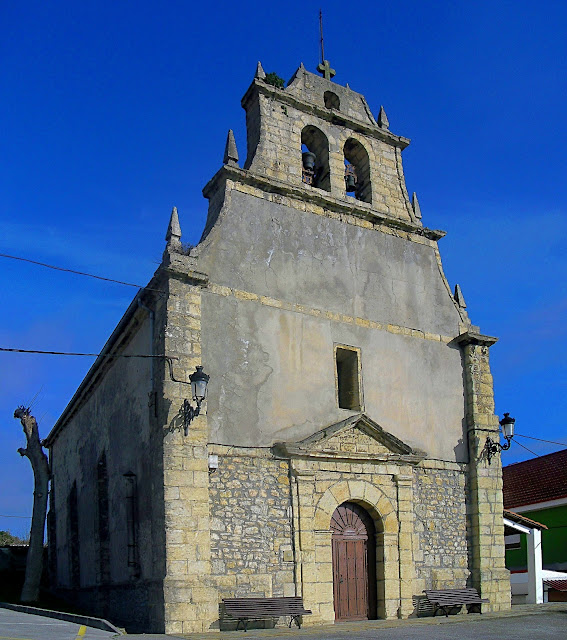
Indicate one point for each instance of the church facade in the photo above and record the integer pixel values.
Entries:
(338, 455)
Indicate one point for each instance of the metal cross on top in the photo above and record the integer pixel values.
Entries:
(324, 68)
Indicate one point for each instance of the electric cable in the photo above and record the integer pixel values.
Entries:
(71, 353)
(563, 444)
(80, 273)
(532, 452)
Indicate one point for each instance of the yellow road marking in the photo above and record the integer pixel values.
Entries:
(82, 631)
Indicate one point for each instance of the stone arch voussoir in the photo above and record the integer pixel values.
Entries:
(366, 494)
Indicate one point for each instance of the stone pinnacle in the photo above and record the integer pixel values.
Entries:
(230, 151)
(260, 73)
(383, 119)
(415, 205)
(173, 235)
(459, 298)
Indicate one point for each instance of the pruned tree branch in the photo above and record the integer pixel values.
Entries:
(40, 466)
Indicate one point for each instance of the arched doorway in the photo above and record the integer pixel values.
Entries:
(354, 563)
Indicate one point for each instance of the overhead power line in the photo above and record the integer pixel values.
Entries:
(72, 353)
(563, 444)
(5, 516)
(532, 452)
(79, 273)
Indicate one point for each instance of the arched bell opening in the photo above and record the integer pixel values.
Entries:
(357, 171)
(315, 158)
(358, 563)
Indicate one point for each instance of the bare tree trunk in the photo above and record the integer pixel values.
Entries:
(38, 459)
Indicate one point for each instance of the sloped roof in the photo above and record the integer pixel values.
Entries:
(560, 585)
(516, 517)
(537, 480)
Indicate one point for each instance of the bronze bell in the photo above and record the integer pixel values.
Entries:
(350, 178)
(308, 158)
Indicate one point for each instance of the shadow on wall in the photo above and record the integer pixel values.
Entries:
(12, 571)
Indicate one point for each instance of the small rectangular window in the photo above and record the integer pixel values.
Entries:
(512, 541)
(132, 524)
(73, 533)
(348, 378)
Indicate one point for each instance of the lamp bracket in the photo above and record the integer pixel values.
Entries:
(188, 413)
(492, 447)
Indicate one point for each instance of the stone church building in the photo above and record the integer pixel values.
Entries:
(339, 452)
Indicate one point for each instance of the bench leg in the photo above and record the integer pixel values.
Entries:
(296, 618)
(470, 606)
(244, 622)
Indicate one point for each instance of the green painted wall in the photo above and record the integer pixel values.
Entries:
(554, 540)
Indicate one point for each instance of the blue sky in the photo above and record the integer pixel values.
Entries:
(113, 112)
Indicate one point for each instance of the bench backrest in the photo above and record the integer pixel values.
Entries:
(266, 606)
(446, 596)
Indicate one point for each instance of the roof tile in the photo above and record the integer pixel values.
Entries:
(536, 480)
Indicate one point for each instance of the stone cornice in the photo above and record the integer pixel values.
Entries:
(182, 266)
(321, 198)
(285, 450)
(330, 115)
(474, 338)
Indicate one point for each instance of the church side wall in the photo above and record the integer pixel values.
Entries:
(108, 567)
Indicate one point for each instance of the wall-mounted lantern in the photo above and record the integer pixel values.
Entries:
(491, 448)
(199, 381)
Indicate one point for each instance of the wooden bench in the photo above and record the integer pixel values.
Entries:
(245, 609)
(447, 598)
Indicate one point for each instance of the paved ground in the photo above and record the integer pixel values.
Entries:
(530, 622)
(15, 625)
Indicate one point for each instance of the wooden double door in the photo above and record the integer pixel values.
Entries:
(354, 563)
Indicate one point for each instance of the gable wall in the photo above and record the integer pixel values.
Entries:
(285, 287)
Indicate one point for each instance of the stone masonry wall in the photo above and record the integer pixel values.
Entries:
(251, 538)
(440, 545)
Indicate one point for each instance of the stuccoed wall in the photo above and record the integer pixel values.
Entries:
(114, 418)
(305, 282)
(327, 261)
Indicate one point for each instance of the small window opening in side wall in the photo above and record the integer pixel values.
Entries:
(132, 524)
(348, 378)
